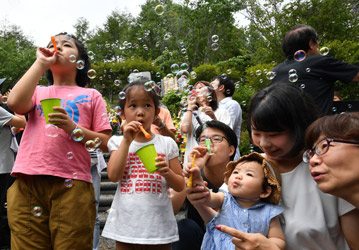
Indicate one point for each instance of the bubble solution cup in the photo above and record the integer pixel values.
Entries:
(148, 155)
(47, 107)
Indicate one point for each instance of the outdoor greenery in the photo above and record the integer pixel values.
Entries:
(182, 32)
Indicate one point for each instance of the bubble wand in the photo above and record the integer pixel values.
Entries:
(189, 183)
(54, 43)
(208, 144)
(147, 135)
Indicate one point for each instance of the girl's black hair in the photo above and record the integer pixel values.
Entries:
(298, 38)
(228, 84)
(227, 131)
(81, 76)
(281, 107)
(141, 84)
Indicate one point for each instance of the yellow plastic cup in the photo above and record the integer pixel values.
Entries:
(47, 108)
(148, 155)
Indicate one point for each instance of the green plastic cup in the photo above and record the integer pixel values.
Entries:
(148, 155)
(47, 108)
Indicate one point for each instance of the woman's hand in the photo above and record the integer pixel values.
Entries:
(209, 111)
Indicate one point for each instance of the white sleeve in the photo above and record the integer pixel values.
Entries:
(114, 143)
(172, 148)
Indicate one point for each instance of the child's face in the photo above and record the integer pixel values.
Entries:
(246, 180)
(66, 47)
(139, 107)
(274, 144)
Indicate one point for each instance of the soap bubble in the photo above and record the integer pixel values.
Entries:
(77, 134)
(68, 183)
(184, 66)
(122, 95)
(4, 99)
(258, 72)
(72, 58)
(117, 82)
(69, 155)
(80, 64)
(324, 51)
(292, 71)
(158, 74)
(91, 73)
(51, 130)
(215, 38)
(90, 146)
(229, 71)
(97, 141)
(182, 44)
(334, 109)
(293, 77)
(270, 75)
(307, 70)
(184, 51)
(117, 110)
(159, 9)
(37, 211)
(170, 75)
(74, 175)
(300, 55)
(302, 86)
(175, 68)
(150, 85)
(214, 46)
(91, 54)
(193, 75)
(183, 78)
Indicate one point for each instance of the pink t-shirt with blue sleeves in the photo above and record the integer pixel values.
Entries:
(60, 156)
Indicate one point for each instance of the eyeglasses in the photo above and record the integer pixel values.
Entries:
(215, 139)
(322, 147)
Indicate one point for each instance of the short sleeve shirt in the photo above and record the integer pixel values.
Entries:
(6, 154)
(59, 155)
(316, 75)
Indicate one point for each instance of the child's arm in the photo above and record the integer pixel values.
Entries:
(242, 240)
(19, 99)
(275, 234)
(117, 162)
(68, 125)
(172, 172)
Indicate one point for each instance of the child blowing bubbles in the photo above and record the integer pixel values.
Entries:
(51, 205)
(144, 210)
(249, 206)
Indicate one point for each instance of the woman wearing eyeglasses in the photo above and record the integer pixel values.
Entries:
(333, 155)
(278, 117)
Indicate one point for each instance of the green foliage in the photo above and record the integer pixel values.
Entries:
(17, 53)
(172, 100)
(108, 72)
(256, 76)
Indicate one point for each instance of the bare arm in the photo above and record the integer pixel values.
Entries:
(117, 162)
(275, 234)
(17, 121)
(350, 227)
(177, 200)
(19, 99)
(172, 172)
